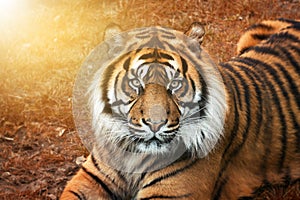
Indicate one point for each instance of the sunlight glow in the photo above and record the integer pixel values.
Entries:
(11, 10)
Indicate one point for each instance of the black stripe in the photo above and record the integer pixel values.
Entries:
(137, 50)
(204, 96)
(244, 50)
(290, 58)
(255, 36)
(146, 56)
(184, 89)
(198, 68)
(184, 66)
(296, 26)
(234, 84)
(116, 85)
(245, 198)
(264, 109)
(293, 23)
(193, 85)
(105, 81)
(112, 180)
(261, 26)
(287, 20)
(80, 195)
(260, 36)
(218, 193)
(168, 33)
(267, 132)
(230, 85)
(287, 176)
(166, 56)
(236, 149)
(296, 50)
(163, 63)
(283, 37)
(142, 177)
(190, 105)
(126, 64)
(256, 80)
(168, 37)
(265, 50)
(169, 175)
(271, 71)
(124, 83)
(142, 34)
(172, 47)
(296, 95)
(153, 42)
(167, 64)
(166, 197)
(112, 195)
(291, 84)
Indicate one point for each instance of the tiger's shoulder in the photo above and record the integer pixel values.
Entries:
(268, 31)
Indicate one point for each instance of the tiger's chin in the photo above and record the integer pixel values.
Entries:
(153, 147)
(150, 145)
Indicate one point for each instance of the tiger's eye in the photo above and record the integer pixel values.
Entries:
(135, 83)
(175, 85)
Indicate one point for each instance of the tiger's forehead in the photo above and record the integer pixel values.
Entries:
(147, 56)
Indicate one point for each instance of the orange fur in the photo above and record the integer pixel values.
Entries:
(259, 32)
(260, 143)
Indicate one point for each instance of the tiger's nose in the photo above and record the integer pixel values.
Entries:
(154, 126)
(157, 117)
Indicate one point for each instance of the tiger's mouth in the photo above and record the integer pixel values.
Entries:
(148, 142)
(158, 139)
(154, 146)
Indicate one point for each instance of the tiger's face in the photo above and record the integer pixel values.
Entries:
(153, 93)
(160, 92)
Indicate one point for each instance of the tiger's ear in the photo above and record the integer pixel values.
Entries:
(111, 30)
(196, 31)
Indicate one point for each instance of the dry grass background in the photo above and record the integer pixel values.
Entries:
(41, 50)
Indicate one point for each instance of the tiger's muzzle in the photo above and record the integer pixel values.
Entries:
(155, 111)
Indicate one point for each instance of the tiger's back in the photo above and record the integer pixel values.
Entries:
(265, 126)
(260, 142)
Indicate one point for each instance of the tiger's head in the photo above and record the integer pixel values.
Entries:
(156, 95)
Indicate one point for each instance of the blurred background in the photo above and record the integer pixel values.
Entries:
(42, 46)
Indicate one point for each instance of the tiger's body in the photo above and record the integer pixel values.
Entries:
(258, 144)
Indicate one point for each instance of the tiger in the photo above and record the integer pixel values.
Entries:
(236, 123)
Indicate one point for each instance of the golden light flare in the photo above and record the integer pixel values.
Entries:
(12, 11)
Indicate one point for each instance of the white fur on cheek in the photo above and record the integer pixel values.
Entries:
(201, 135)
(105, 126)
